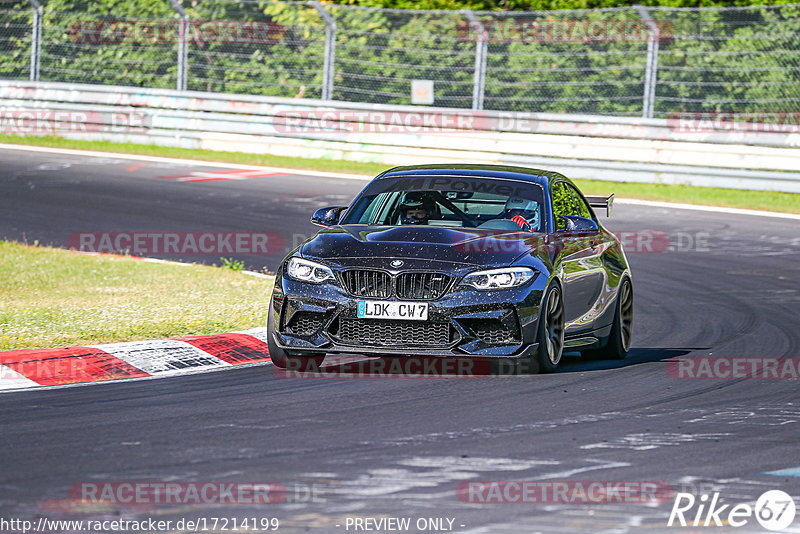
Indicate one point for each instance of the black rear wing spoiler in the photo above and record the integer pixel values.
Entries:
(601, 202)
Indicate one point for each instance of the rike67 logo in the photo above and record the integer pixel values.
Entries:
(774, 510)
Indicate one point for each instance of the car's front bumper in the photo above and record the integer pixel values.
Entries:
(313, 319)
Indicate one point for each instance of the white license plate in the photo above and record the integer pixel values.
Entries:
(377, 309)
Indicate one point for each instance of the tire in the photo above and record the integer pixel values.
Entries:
(619, 340)
(550, 332)
(282, 359)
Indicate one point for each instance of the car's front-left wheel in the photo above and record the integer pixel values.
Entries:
(551, 330)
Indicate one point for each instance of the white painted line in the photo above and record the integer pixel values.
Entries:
(195, 162)
(10, 379)
(183, 264)
(669, 205)
(141, 258)
(163, 356)
(599, 464)
(165, 262)
(258, 333)
(717, 209)
(257, 275)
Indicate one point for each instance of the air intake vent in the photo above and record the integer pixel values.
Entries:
(367, 283)
(405, 333)
(305, 323)
(493, 331)
(422, 286)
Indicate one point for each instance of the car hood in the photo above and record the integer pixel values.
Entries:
(359, 244)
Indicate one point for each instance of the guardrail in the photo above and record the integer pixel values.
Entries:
(680, 150)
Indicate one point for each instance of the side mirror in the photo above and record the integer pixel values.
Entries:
(572, 223)
(327, 216)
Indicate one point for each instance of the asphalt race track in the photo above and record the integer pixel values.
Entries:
(379, 448)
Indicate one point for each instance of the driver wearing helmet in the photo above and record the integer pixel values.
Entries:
(526, 213)
(416, 208)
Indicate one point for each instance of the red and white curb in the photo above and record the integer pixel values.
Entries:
(30, 368)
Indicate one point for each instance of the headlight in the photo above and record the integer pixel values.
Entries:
(504, 278)
(308, 271)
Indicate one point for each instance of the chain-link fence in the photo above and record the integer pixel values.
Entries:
(16, 29)
(623, 61)
(736, 59)
(380, 52)
(239, 47)
(90, 45)
(567, 61)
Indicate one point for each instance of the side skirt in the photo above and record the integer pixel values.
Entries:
(587, 340)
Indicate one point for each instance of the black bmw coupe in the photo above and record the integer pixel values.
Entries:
(459, 261)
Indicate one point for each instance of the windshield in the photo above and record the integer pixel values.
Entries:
(451, 201)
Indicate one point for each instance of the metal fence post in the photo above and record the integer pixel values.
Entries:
(183, 46)
(36, 39)
(651, 68)
(479, 85)
(329, 61)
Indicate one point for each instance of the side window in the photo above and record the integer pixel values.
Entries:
(562, 203)
(562, 200)
(581, 208)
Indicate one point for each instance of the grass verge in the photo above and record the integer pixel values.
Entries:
(687, 194)
(55, 298)
(710, 196)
